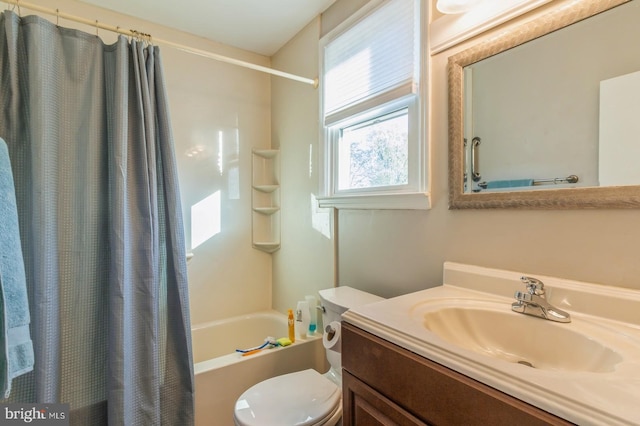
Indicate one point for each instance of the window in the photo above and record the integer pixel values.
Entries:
(374, 153)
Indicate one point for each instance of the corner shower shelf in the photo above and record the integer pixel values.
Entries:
(267, 247)
(265, 199)
(266, 210)
(266, 188)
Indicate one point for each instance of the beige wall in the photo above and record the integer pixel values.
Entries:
(227, 276)
(396, 252)
(305, 262)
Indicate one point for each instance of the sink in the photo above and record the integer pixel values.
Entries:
(586, 371)
(516, 338)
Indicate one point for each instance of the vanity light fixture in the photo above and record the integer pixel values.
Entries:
(456, 6)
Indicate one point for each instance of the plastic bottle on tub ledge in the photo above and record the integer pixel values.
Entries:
(291, 325)
(303, 318)
(313, 306)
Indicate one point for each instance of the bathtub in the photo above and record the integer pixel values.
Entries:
(221, 374)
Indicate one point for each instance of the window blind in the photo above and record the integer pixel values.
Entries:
(372, 61)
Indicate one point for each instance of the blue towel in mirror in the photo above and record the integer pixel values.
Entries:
(16, 347)
(514, 183)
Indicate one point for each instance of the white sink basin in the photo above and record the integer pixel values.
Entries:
(586, 371)
(517, 338)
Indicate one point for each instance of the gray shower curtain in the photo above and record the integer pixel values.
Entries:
(88, 132)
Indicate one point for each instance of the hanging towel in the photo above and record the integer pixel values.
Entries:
(16, 348)
(515, 183)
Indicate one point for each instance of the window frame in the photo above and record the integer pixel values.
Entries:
(414, 195)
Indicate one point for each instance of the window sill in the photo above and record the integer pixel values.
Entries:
(408, 201)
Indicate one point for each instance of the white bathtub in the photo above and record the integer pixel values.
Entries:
(221, 374)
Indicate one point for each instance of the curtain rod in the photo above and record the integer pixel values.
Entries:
(136, 34)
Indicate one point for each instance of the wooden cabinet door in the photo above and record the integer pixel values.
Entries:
(363, 406)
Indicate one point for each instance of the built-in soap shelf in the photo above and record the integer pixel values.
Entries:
(266, 210)
(265, 199)
(266, 188)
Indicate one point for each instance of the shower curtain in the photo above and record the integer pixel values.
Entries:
(91, 148)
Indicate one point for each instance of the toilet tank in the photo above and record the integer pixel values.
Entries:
(338, 300)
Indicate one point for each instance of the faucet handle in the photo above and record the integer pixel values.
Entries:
(534, 285)
(522, 297)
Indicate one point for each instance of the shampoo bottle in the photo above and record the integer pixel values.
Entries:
(303, 318)
(291, 323)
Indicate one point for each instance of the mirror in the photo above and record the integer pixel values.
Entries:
(537, 113)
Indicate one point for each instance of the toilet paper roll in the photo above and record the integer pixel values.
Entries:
(332, 337)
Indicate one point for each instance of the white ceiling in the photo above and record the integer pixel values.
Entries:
(261, 26)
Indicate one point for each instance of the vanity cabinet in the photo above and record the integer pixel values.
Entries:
(384, 384)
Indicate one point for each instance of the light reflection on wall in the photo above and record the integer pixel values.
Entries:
(221, 152)
(214, 162)
(320, 218)
(228, 160)
(310, 160)
(233, 183)
(205, 219)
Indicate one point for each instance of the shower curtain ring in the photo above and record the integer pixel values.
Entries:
(97, 28)
(57, 17)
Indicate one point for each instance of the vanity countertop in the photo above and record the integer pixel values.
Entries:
(607, 316)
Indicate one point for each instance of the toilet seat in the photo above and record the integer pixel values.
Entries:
(304, 398)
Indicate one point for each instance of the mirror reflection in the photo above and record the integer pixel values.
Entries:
(554, 134)
(559, 111)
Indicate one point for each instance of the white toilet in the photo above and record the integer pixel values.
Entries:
(304, 398)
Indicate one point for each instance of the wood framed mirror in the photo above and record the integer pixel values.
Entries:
(532, 188)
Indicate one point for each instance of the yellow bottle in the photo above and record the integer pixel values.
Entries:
(292, 331)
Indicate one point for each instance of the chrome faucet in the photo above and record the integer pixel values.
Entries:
(532, 302)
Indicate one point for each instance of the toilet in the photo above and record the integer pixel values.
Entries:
(304, 398)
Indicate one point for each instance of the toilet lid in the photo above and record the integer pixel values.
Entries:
(302, 398)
